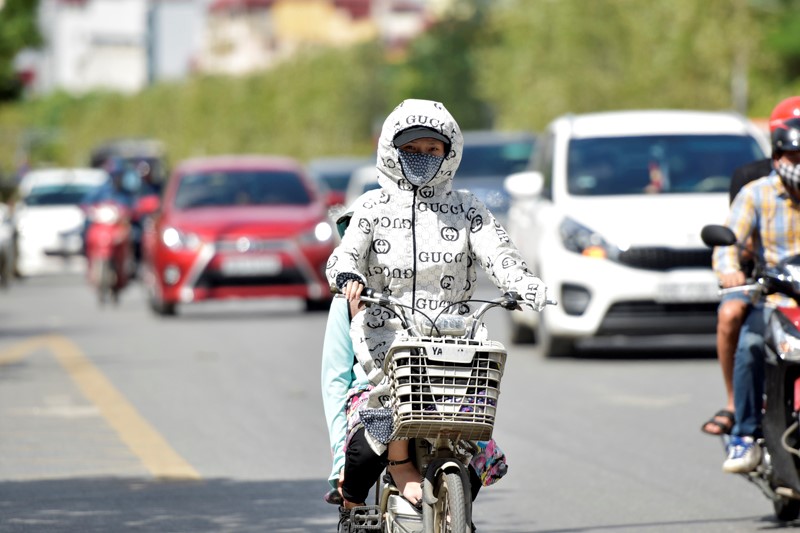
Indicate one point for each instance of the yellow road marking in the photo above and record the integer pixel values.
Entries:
(144, 441)
(19, 351)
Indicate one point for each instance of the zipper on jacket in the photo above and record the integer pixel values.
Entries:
(414, 251)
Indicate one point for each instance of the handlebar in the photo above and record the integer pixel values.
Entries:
(509, 300)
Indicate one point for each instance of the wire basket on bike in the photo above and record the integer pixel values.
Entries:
(445, 387)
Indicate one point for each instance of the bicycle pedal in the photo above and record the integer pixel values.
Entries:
(365, 518)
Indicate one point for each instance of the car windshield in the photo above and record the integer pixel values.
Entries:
(57, 194)
(236, 188)
(498, 159)
(657, 164)
(336, 181)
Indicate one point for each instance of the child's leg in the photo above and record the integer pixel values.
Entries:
(362, 467)
(405, 475)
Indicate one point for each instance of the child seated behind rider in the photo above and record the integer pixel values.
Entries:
(419, 240)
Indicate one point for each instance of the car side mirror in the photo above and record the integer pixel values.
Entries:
(524, 185)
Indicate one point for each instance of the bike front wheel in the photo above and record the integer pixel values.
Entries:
(450, 514)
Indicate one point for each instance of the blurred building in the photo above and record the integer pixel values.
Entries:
(92, 44)
(124, 45)
(250, 35)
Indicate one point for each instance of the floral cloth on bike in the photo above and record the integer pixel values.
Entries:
(489, 462)
(421, 242)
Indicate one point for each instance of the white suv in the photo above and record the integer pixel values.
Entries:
(609, 216)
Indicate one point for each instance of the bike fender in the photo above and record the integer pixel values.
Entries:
(436, 468)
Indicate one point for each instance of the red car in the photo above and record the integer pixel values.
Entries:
(238, 227)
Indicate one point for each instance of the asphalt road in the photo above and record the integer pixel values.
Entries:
(114, 420)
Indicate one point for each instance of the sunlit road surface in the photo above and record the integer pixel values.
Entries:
(112, 419)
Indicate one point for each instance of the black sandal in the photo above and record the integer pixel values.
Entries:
(724, 427)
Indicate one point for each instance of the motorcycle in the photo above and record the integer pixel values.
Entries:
(109, 249)
(778, 475)
(444, 386)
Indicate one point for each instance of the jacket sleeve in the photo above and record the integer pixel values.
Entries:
(350, 257)
(496, 254)
(742, 220)
(337, 379)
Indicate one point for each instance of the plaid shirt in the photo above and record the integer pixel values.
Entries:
(764, 209)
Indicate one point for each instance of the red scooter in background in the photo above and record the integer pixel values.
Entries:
(109, 248)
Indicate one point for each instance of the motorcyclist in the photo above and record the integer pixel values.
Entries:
(769, 210)
(732, 311)
(113, 190)
(148, 187)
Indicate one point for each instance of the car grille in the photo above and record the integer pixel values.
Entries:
(211, 279)
(661, 258)
(649, 318)
(253, 245)
(289, 275)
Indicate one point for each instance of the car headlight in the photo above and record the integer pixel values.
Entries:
(322, 232)
(582, 240)
(174, 239)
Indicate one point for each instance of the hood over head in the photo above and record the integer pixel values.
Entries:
(403, 124)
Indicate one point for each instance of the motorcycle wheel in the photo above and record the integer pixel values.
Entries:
(449, 514)
(6, 270)
(105, 281)
(786, 509)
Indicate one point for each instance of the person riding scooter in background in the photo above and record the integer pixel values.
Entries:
(148, 200)
(114, 190)
(733, 309)
(769, 210)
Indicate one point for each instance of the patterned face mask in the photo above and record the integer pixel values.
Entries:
(418, 168)
(790, 175)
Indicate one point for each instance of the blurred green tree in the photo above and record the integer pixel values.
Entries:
(440, 65)
(545, 58)
(18, 30)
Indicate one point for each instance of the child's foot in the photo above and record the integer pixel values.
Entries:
(408, 481)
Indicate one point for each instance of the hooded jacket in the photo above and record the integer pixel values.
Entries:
(421, 244)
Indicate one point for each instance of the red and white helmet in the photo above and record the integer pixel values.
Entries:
(784, 125)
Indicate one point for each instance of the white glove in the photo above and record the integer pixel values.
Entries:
(534, 293)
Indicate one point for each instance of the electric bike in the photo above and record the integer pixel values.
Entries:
(444, 387)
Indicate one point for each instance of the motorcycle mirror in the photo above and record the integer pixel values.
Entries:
(717, 235)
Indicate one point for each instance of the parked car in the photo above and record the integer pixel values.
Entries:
(49, 221)
(489, 156)
(238, 227)
(335, 173)
(609, 216)
(7, 246)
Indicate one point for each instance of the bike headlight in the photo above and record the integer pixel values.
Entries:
(446, 325)
(322, 232)
(174, 239)
(783, 337)
(579, 239)
(104, 214)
